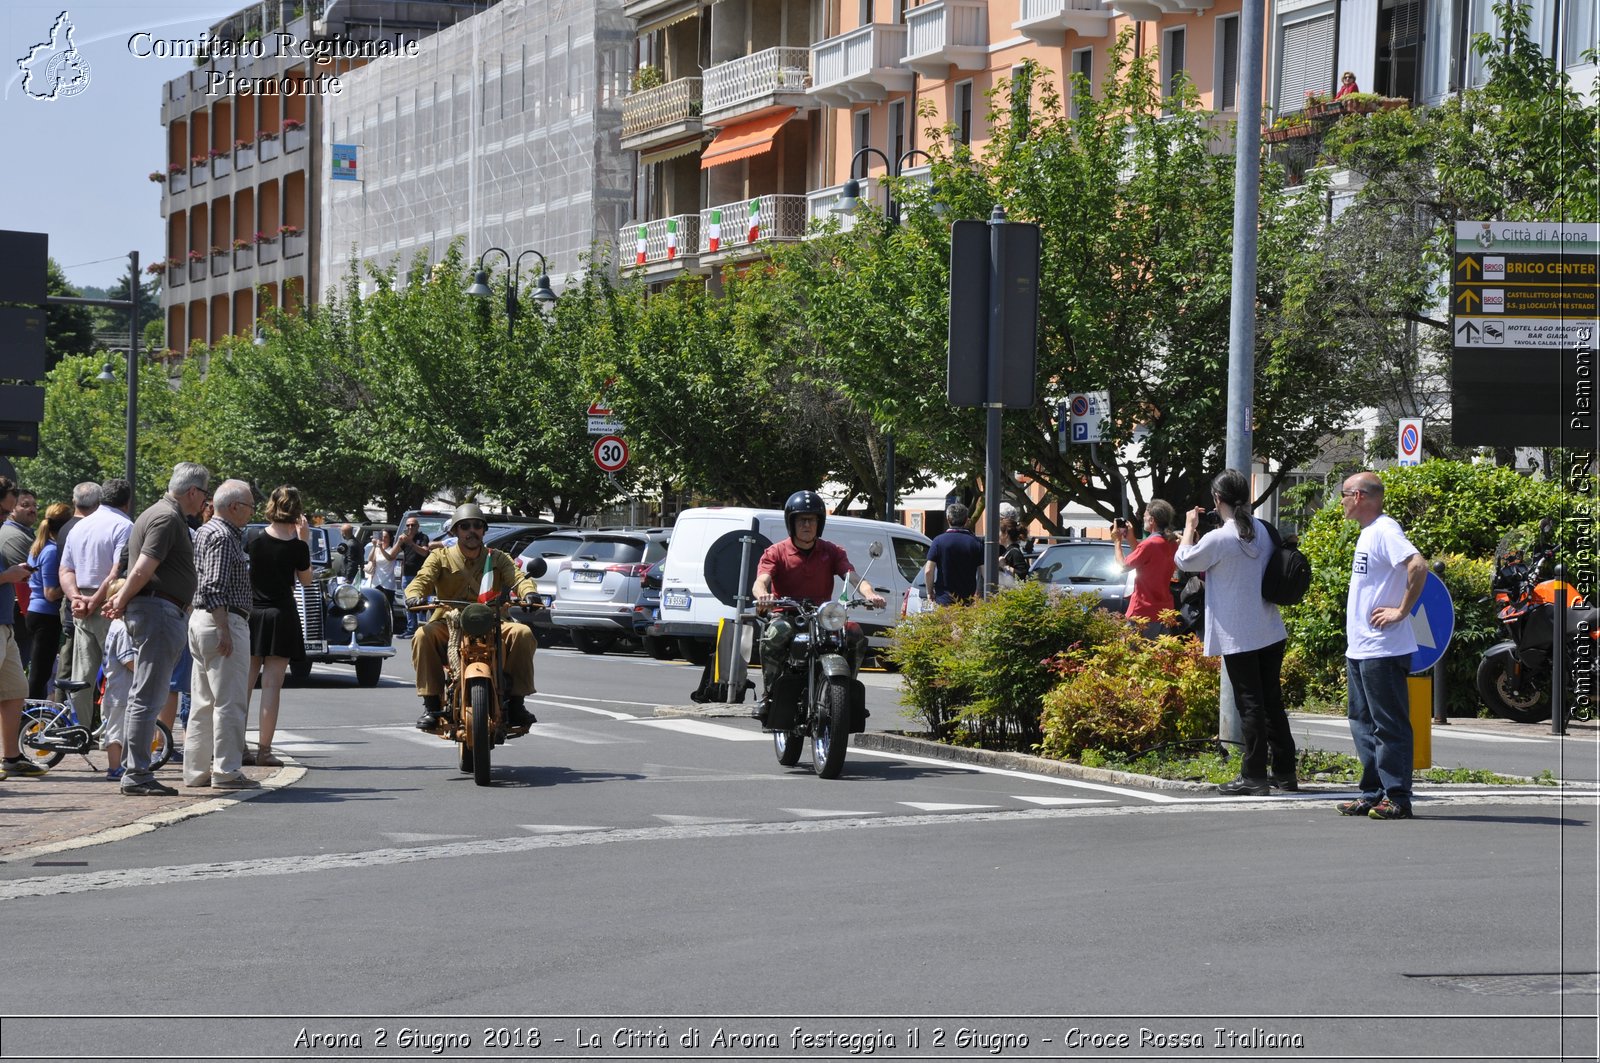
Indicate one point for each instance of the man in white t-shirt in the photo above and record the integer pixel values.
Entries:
(1386, 579)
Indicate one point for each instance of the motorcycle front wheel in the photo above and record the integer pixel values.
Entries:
(831, 734)
(479, 695)
(787, 744)
(1511, 692)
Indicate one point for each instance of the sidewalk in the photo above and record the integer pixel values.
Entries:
(76, 806)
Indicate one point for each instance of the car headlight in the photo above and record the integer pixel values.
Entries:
(831, 617)
(349, 622)
(347, 598)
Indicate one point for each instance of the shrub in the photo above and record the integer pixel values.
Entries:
(1130, 693)
(978, 673)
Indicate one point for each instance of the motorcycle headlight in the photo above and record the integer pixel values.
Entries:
(477, 620)
(347, 598)
(831, 617)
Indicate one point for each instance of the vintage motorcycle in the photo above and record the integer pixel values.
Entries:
(476, 693)
(1514, 677)
(809, 683)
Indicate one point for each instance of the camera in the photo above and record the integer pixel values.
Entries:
(1118, 522)
(1210, 520)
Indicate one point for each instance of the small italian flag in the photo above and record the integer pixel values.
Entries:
(672, 239)
(755, 221)
(486, 584)
(638, 248)
(716, 230)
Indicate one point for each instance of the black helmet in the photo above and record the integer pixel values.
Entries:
(805, 502)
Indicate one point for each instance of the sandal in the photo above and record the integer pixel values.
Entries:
(265, 759)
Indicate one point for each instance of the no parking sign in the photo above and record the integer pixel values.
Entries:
(1410, 441)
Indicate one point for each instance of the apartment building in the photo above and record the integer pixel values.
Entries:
(245, 156)
(502, 131)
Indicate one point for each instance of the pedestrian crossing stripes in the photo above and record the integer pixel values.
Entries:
(705, 730)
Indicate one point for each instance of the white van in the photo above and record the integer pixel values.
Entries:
(690, 611)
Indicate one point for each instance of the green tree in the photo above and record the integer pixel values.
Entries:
(68, 329)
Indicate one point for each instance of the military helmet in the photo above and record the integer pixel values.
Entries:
(465, 511)
(805, 502)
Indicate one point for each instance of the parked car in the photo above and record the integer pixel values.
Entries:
(341, 623)
(1075, 566)
(598, 586)
(647, 615)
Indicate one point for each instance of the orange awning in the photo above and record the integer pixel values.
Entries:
(745, 140)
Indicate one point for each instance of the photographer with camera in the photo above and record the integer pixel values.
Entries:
(1152, 564)
(1244, 629)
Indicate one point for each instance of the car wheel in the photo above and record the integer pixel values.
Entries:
(659, 648)
(368, 671)
(591, 643)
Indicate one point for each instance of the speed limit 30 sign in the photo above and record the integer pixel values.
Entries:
(611, 453)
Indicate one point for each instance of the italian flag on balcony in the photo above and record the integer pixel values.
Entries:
(755, 221)
(638, 248)
(672, 239)
(716, 230)
(486, 584)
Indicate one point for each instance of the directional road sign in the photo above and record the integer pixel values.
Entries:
(1433, 621)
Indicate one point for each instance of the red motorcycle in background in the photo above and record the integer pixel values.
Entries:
(1514, 677)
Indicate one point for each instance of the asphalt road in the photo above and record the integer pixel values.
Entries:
(630, 877)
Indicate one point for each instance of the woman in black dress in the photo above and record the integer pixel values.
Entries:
(278, 556)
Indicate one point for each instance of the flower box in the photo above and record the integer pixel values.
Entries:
(294, 244)
(176, 274)
(1290, 132)
(178, 181)
(220, 263)
(221, 165)
(267, 147)
(244, 154)
(294, 138)
(158, 177)
(197, 269)
(267, 251)
(198, 174)
(244, 257)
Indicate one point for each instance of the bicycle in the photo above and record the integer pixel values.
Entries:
(51, 730)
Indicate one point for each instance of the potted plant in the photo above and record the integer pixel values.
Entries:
(197, 256)
(156, 267)
(1316, 103)
(288, 230)
(291, 124)
(176, 168)
(648, 76)
(198, 160)
(240, 145)
(158, 177)
(266, 134)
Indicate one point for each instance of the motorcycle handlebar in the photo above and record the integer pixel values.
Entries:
(424, 605)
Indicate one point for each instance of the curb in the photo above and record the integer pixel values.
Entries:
(287, 775)
(888, 742)
(711, 710)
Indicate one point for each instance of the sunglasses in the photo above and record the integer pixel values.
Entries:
(470, 525)
(1352, 493)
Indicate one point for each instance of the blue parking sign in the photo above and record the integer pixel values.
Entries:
(1433, 621)
(1080, 432)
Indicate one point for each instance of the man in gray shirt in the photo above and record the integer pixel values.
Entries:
(89, 552)
(155, 598)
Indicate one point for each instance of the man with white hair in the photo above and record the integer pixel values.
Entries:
(219, 639)
(155, 598)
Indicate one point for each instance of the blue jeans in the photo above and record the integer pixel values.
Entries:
(159, 632)
(1380, 725)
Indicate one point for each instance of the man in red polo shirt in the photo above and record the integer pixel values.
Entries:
(803, 565)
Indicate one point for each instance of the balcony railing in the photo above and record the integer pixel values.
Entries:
(1049, 21)
(198, 174)
(820, 204)
(675, 106)
(864, 64)
(667, 241)
(178, 181)
(267, 251)
(244, 156)
(221, 165)
(220, 264)
(947, 33)
(267, 148)
(748, 222)
(244, 257)
(197, 269)
(732, 86)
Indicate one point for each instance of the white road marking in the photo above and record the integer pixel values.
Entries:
(824, 813)
(705, 730)
(1052, 802)
(696, 821)
(546, 703)
(562, 733)
(1120, 791)
(942, 806)
(416, 839)
(410, 734)
(555, 828)
(1446, 732)
(607, 701)
(293, 742)
(190, 874)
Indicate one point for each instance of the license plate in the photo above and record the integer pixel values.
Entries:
(675, 600)
(587, 577)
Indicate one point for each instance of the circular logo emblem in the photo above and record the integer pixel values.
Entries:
(67, 74)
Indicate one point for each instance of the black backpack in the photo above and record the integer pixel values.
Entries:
(1288, 573)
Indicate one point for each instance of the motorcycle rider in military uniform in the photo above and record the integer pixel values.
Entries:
(458, 573)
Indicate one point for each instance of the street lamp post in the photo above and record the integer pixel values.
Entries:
(131, 304)
(849, 203)
(542, 292)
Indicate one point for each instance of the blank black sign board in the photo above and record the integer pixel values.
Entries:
(971, 304)
(22, 266)
(22, 343)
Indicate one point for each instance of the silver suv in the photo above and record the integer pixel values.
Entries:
(597, 587)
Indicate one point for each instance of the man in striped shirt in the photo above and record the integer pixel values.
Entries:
(219, 639)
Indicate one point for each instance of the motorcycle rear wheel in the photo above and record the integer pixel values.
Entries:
(479, 696)
(831, 734)
(1528, 702)
(788, 744)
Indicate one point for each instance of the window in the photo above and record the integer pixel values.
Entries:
(1173, 61)
(865, 13)
(1021, 95)
(961, 111)
(1578, 27)
(1226, 97)
(1399, 48)
(1083, 66)
(1305, 61)
(897, 129)
(862, 134)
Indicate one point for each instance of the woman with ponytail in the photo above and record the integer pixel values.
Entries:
(1245, 630)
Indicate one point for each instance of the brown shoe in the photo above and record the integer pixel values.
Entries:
(265, 759)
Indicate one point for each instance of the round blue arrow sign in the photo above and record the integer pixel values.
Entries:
(1433, 621)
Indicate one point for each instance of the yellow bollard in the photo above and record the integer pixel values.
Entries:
(1420, 687)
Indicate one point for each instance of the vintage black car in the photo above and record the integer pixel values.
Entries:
(342, 623)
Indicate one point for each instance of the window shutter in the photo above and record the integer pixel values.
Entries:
(1306, 63)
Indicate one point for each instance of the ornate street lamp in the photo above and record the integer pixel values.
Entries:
(543, 294)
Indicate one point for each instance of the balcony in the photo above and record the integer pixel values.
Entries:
(267, 147)
(267, 251)
(860, 66)
(774, 77)
(220, 263)
(177, 181)
(198, 172)
(294, 138)
(221, 164)
(197, 269)
(244, 155)
(1049, 21)
(294, 244)
(945, 34)
(244, 257)
(731, 228)
(176, 275)
(670, 244)
(658, 116)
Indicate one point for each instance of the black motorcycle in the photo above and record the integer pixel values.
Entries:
(1514, 677)
(810, 687)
